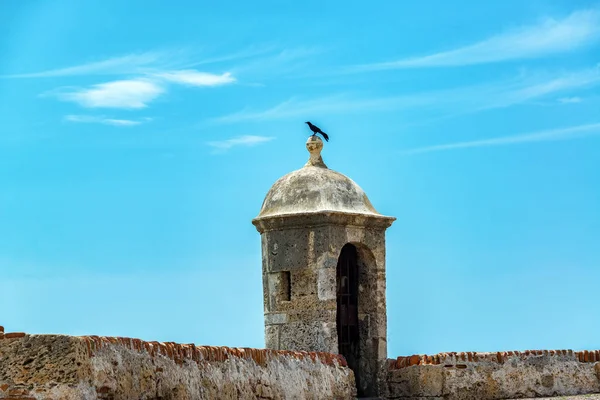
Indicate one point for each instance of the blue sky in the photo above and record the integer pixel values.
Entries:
(138, 140)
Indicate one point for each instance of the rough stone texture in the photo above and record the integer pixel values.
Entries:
(502, 375)
(305, 221)
(315, 188)
(578, 397)
(80, 368)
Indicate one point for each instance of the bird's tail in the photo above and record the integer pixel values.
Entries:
(325, 136)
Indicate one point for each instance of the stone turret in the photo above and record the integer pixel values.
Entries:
(323, 252)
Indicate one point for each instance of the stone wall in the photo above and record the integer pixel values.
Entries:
(502, 375)
(58, 367)
(300, 255)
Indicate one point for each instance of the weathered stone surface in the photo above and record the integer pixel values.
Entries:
(577, 397)
(274, 318)
(425, 381)
(309, 336)
(272, 336)
(80, 368)
(491, 376)
(315, 188)
(307, 218)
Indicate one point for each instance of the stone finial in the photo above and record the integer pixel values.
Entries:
(314, 145)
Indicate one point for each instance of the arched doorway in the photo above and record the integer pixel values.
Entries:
(347, 307)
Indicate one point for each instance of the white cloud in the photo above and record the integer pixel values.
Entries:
(570, 100)
(573, 132)
(196, 78)
(137, 93)
(90, 119)
(550, 36)
(247, 140)
(148, 75)
(129, 94)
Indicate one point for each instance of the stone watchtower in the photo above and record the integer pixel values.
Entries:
(323, 257)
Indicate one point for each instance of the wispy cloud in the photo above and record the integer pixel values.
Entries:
(196, 78)
(570, 100)
(127, 64)
(138, 92)
(573, 132)
(530, 88)
(247, 140)
(335, 104)
(139, 64)
(128, 94)
(146, 76)
(143, 77)
(549, 36)
(452, 101)
(90, 119)
(175, 62)
(249, 52)
(285, 62)
(295, 107)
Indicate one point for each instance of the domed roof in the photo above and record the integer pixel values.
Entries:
(315, 188)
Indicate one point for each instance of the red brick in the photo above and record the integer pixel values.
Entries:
(401, 362)
(414, 360)
(13, 335)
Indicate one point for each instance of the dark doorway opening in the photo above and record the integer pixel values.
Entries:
(347, 308)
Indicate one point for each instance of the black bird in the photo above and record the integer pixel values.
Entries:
(316, 130)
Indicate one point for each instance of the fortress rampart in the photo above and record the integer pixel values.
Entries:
(59, 367)
(499, 375)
